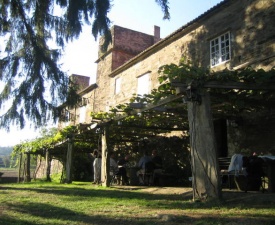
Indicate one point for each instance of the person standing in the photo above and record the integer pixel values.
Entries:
(97, 167)
(141, 164)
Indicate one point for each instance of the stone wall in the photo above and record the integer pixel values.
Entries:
(56, 168)
(126, 45)
(88, 106)
(80, 81)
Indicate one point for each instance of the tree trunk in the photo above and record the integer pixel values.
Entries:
(105, 165)
(206, 179)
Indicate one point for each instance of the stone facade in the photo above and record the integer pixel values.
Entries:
(249, 23)
(80, 81)
(126, 45)
(252, 37)
(81, 113)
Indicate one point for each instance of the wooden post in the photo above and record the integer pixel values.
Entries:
(48, 165)
(27, 177)
(204, 162)
(105, 165)
(69, 157)
(19, 168)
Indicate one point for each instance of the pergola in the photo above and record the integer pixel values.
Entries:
(191, 107)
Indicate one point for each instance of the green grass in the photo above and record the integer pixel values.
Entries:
(83, 204)
(8, 169)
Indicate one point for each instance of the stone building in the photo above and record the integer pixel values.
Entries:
(232, 35)
(80, 113)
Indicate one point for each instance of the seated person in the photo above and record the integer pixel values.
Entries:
(236, 164)
(141, 164)
(122, 168)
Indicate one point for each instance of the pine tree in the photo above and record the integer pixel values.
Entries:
(34, 81)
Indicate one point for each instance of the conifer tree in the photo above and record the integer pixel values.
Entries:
(34, 83)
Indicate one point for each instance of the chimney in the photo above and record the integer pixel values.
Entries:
(82, 82)
(156, 34)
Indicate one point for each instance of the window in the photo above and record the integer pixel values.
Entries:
(82, 114)
(67, 117)
(117, 85)
(220, 49)
(143, 84)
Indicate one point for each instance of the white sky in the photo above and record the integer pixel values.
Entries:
(139, 15)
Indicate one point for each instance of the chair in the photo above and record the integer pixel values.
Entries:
(115, 177)
(147, 176)
(255, 179)
(226, 177)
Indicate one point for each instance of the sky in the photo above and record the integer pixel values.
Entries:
(140, 15)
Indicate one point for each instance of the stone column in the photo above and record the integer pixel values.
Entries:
(206, 179)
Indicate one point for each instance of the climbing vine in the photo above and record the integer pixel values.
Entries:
(131, 122)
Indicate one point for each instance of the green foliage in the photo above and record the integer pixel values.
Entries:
(187, 73)
(104, 116)
(48, 138)
(233, 101)
(82, 167)
(68, 131)
(56, 178)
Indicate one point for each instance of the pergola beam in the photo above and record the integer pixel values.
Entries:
(230, 85)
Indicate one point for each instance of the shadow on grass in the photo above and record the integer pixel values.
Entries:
(65, 216)
(161, 203)
(49, 214)
(78, 193)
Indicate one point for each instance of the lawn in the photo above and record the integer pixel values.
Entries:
(85, 204)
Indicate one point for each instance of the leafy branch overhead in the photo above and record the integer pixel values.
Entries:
(187, 73)
(233, 91)
(33, 34)
(227, 102)
(50, 139)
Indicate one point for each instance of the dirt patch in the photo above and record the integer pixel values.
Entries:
(231, 196)
(9, 173)
(157, 190)
(8, 176)
(167, 190)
